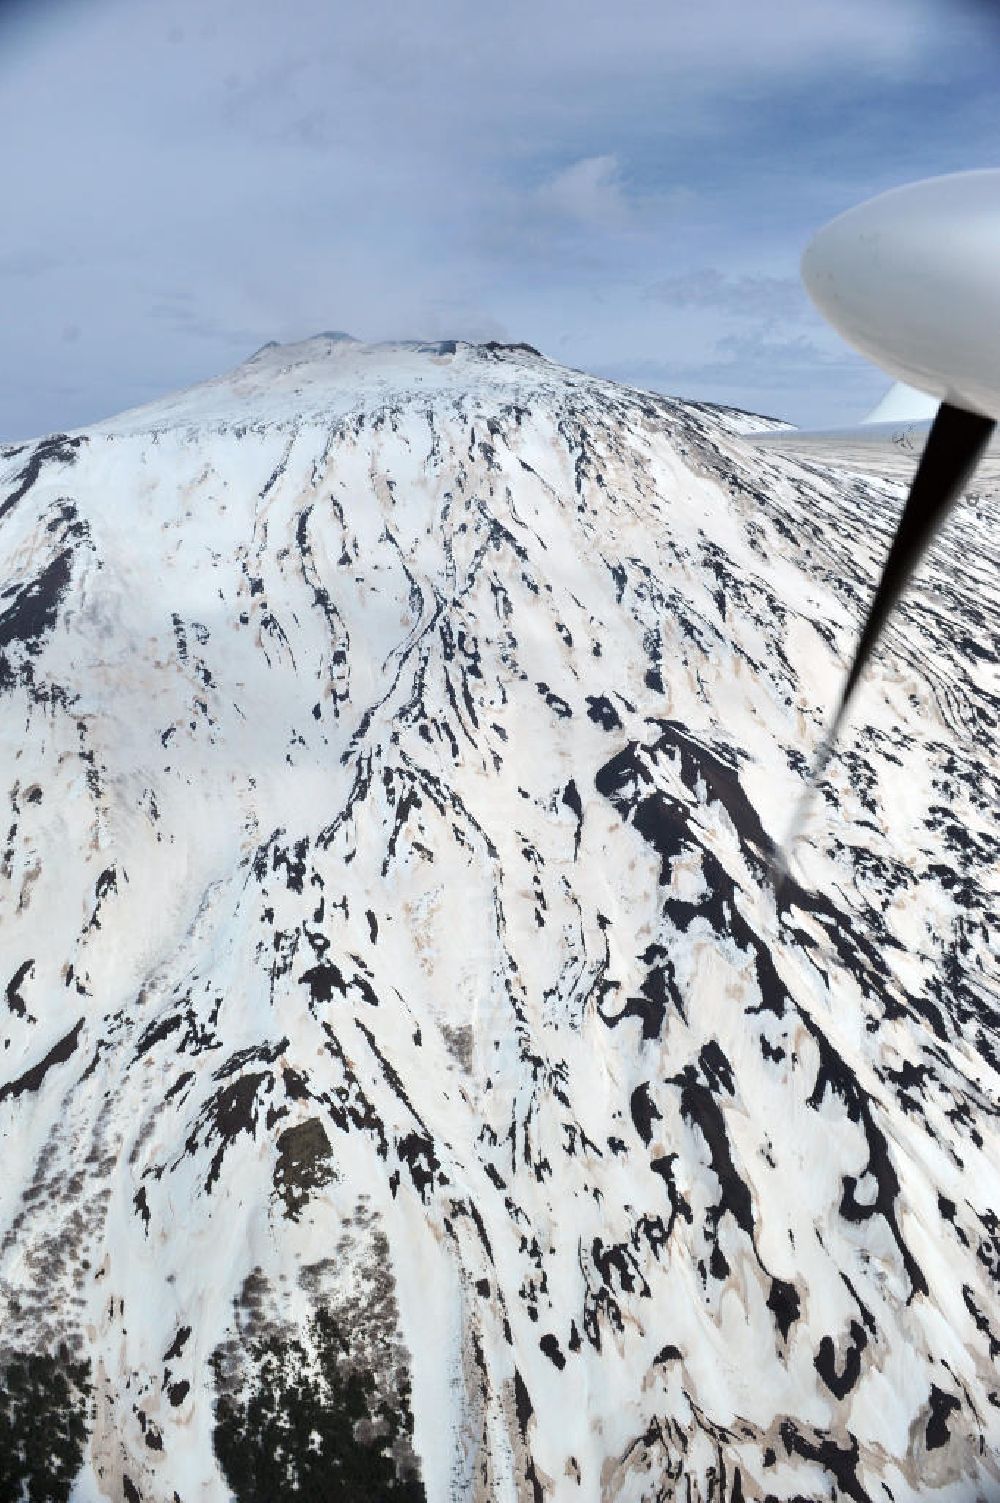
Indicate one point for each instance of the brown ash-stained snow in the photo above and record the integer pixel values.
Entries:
(394, 743)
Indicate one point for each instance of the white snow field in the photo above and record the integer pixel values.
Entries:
(409, 1086)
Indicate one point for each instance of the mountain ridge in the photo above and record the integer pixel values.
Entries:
(396, 1001)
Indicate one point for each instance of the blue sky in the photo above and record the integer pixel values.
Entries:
(629, 187)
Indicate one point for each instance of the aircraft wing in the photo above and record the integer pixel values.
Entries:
(889, 447)
(910, 280)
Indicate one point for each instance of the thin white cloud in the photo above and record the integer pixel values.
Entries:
(436, 170)
(28, 262)
(588, 191)
(453, 318)
(746, 296)
(817, 381)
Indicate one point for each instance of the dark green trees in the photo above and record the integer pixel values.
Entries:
(44, 1423)
(310, 1425)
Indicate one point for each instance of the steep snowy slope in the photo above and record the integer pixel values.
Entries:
(409, 1086)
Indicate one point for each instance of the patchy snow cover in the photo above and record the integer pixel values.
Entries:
(399, 1027)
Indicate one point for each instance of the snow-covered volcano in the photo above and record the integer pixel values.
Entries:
(410, 1087)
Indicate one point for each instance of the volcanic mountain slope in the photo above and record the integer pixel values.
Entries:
(410, 1087)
